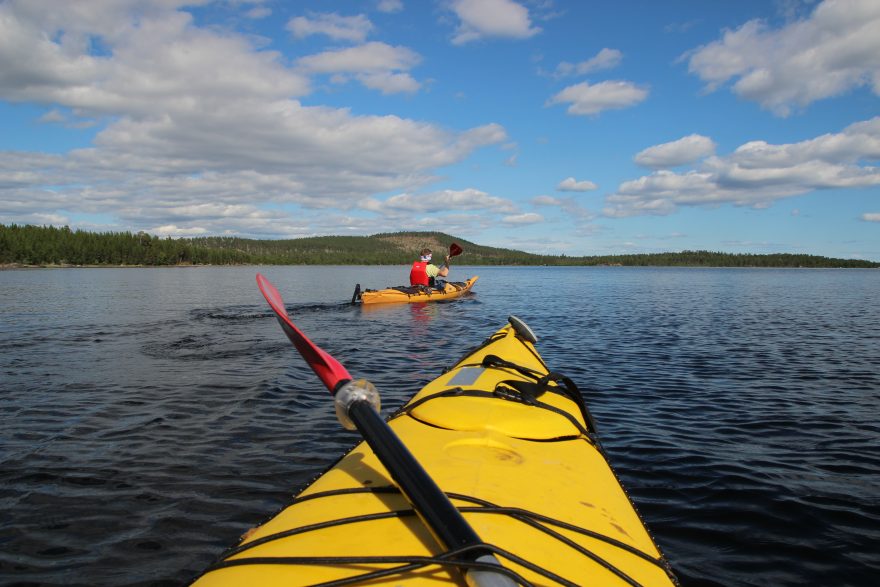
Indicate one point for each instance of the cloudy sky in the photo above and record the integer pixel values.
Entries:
(551, 126)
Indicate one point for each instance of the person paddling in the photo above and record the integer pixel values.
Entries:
(423, 272)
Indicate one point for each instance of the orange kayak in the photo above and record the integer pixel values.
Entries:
(410, 294)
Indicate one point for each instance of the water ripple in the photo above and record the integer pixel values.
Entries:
(141, 437)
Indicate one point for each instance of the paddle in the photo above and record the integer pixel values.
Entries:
(454, 251)
(357, 406)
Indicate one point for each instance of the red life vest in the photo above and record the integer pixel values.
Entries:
(418, 275)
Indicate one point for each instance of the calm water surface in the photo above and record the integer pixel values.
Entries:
(148, 417)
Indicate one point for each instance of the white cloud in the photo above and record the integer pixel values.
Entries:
(53, 115)
(871, 217)
(389, 6)
(376, 65)
(545, 200)
(757, 174)
(685, 150)
(570, 184)
(469, 223)
(568, 205)
(156, 61)
(258, 12)
(488, 134)
(219, 210)
(833, 51)
(174, 230)
(522, 219)
(339, 28)
(605, 59)
(373, 56)
(201, 128)
(444, 200)
(389, 83)
(56, 116)
(43, 219)
(586, 99)
(480, 19)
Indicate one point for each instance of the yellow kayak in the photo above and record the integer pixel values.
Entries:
(411, 294)
(513, 447)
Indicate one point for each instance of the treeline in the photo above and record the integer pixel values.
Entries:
(319, 250)
(716, 259)
(48, 245)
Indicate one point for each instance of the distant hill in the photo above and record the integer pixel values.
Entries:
(29, 245)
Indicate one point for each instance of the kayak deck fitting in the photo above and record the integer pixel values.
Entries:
(512, 445)
(414, 293)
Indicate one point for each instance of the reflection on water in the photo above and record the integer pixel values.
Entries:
(150, 416)
(423, 312)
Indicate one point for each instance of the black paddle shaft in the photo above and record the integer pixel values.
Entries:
(429, 501)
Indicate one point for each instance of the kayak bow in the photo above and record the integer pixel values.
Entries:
(357, 407)
(512, 445)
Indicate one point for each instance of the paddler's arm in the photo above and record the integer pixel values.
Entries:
(444, 270)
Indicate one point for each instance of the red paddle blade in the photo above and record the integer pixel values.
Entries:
(330, 371)
(455, 250)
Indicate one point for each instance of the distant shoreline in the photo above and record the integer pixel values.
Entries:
(14, 266)
(31, 246)
(23, 267)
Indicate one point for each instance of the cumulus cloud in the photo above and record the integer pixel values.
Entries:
(480, 19)
(587, 99)
(374, 56)
(523, 219)
(683, 151)
(570, 184)
(389, 83)
(545, 200)
(467, 199)
(339, 28)
(376, 65)
(191, 116)
(160, 60)
(757, 174)
(871, 217)
(833, 51)
(605, 59)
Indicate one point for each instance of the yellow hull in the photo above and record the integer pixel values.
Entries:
(409, 295)
(531, 480)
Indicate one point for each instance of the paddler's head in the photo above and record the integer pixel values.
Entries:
(425, 255)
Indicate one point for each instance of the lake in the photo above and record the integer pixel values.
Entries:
(148, 417)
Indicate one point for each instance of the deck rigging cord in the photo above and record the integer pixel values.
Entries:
(444, 559)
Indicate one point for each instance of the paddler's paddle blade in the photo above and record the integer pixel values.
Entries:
(455, 250)
(329, 370)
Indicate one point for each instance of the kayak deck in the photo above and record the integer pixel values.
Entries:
(411, 294)
(514, 448)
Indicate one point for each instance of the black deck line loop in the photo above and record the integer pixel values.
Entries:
(488, 507)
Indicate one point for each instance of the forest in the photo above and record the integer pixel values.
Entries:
(48, 246)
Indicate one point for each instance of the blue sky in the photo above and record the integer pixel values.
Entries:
(548, 126)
